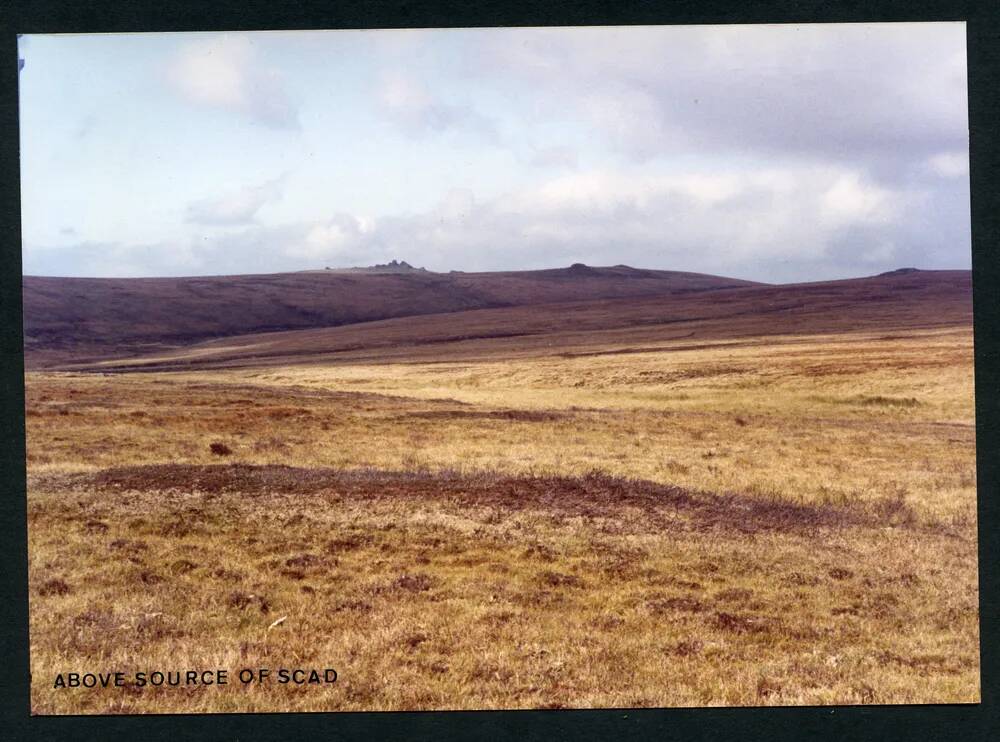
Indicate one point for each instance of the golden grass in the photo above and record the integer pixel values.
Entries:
(823, 419)
(443, 602)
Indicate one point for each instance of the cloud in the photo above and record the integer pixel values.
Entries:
(332, 239)
(730, 222)
(786, 223)
(768, 152)
(238, 207)
(848, 92)
(848, 200)
(555, 157)
(225, 72)
(801, 223)
(409, 104)
(950, 164)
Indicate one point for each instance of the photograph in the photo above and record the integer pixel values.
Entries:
(499, 368)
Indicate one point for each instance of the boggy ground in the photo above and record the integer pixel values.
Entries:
(783, 522)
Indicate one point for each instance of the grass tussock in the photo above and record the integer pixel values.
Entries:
(220, 449)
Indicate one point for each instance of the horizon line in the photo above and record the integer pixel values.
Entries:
(373, 270)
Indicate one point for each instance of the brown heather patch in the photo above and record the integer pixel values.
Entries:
(559, 579)
(304, 560)
(744, 623)
(767, 688)
(359, 606)
(416, 583)
(54, 587)
(529, 416)
(890, 401)
(241, 601)
(927, 662)
(734, 595)
(148, 577)
(128, 545)
(578, 496)
(415, 640)
(348, 543)
(183, 566)
(103, 620)
(688, 648)
(593, 495)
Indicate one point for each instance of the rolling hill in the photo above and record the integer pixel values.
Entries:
(897, 301)
(78, 319)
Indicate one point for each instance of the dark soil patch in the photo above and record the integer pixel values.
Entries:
(592, 495)
(303, 560)
(415, 640)
(148, 577)
(54, 587)
(528, 416)
(559, 579)
(742, 624)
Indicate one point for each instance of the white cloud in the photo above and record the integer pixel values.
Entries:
(405, 95)
(782, 223)
(560, 156)
(729, 222)
(850, 200)
(830, 91)
(238, 207)
(225, 71)
(766, 152)
(330, 240)
(408, 102)
(950, 164)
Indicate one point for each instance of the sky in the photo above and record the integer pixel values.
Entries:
(775, 153)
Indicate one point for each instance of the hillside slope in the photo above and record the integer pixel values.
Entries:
(892, 302)
(68, 319)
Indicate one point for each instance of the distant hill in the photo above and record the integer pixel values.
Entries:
(76, 319)
(885, 305)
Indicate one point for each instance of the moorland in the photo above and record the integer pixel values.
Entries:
(585, 487)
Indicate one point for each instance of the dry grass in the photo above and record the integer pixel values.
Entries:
(789, 522)
(825, 419)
